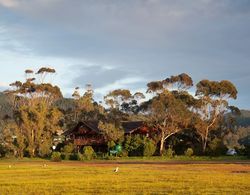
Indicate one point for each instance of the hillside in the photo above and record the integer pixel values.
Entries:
(244, 119)
(5, 106)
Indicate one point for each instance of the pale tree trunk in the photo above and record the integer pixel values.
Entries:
(164, 137)
(204, 146)
(162, 145)
(206, 135)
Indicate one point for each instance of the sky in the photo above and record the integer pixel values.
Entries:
(115, 44)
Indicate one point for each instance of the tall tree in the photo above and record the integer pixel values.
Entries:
(115, 98)
(35, 116)
(211, 105)
(168, 114)
(85, 106)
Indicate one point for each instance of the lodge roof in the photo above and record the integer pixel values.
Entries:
(131, 126)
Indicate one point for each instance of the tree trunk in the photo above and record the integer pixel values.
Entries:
(204, 145)
(162, 144)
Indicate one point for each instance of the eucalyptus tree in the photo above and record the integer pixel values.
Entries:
(132, 107)
(167, 113)
(116, 98)
(211, 105)
(85, 106)
(110, 131)
(35, 116)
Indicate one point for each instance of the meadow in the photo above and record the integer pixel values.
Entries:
(44, 177)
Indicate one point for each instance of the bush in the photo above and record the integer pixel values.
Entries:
(2, 151)
(216, 147)
(80, 156)
(169, 153)
(88, 152)
(68, 149)
(123, 153)
(189, 152)
(56, 157)
(149, 148)
(73, 156)
(247, 149)
(67, 152)
(134, 145)
(45, 150)
(111, 145)
(66, 156)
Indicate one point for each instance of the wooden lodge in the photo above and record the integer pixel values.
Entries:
(87, 133)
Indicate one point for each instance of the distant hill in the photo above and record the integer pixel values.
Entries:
(5, 106)
(244, 119)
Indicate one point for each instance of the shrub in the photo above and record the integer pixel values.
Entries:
(169, 153)
(247, 149)
(80, 156)
(44, 150)
(149, 148)
(134, 145)
(73, 156)
(189, 152)
(56, 157)
(123, 153)
(111, 145)
(68, 149)
(2, 151)
(66, 156)
(216, 147)
(88, 152)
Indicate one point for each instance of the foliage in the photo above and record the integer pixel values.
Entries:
(88, 152)
(111, 145)
(247, 148)
(115, 98)
(169, 153)
(134, 145)
(149, 148)
(189, 152)
(12, 139)
(216, 147)
(211, 105)
(35, 119)
(67, 151)
(56, 157)
(69, 148)
(34, 110)
(110, 131)
(167, 113)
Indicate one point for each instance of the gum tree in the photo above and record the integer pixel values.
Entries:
(168, 114)
(210, 106)
(35, 116)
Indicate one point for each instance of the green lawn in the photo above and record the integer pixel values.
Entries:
(80, 178)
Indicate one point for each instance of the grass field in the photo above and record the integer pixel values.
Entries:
(99, 178)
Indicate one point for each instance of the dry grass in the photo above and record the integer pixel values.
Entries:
(80, 178)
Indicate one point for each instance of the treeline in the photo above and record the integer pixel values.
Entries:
(179, 121)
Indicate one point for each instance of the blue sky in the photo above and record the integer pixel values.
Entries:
(125, 44)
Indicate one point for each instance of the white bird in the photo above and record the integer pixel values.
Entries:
(116, 170)
(9, 166)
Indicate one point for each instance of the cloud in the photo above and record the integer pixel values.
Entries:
(9, 3)
(4, 85)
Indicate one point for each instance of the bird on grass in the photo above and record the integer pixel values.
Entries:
(9, 166)
(116, 170)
